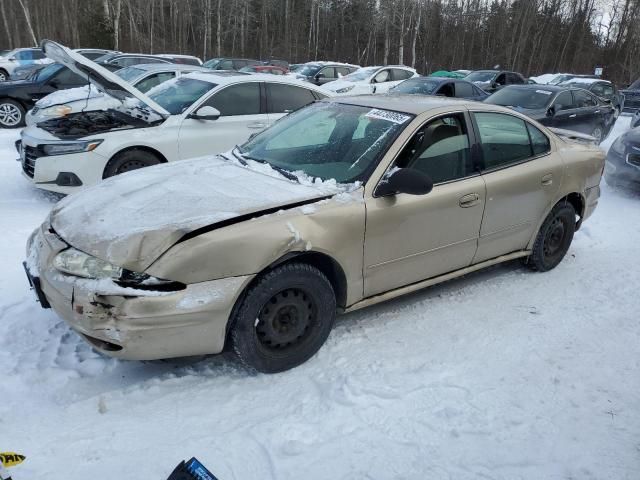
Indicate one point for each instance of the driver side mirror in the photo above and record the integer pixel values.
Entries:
(551, 111)
(206, 113)
(405, 180)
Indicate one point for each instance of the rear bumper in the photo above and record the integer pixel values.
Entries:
(592, 196)
(130, 323)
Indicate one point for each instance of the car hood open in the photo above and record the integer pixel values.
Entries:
(102, 78)
(132, 219)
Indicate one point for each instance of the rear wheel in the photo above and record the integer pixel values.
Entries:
(11, 114)
(284, 318)
(597, 134)
(129, 160)
(554, 238)
(4, 76)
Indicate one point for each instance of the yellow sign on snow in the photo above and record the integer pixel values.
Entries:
(10, 459)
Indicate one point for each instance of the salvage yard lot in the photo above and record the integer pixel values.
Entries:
(503, 374)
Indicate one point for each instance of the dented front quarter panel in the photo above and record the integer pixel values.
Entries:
(334, 227)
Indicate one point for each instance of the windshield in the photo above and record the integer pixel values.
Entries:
(361, 74)
(635, 85)
(211, 63)
(105, 58)
(175, 96)
(480, 76)
(48, 71)
(530, 98)
(328, 141)
(560, 78)
(129, 74)
(309, 70)
(416, 86)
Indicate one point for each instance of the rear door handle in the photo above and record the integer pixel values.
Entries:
(547, 180)
(257, 125)
(469, 200)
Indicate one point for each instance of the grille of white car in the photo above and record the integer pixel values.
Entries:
(29, 160)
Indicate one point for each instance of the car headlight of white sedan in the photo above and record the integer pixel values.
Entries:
(80, 264)
(70, 147)
(55, 111)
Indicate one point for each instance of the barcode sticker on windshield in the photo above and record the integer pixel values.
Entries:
(394, 117)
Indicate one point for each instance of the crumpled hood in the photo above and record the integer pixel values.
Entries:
(132, 219)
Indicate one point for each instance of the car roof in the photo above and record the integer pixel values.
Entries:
(412, 104)
(226, 77)
(172, 67)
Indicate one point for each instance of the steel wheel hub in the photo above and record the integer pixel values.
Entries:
(554, 239)
(131, 165)
(9, 114)
(285, 319)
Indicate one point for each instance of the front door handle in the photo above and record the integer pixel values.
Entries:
(469, 200)
(257, 125)
(547, 180)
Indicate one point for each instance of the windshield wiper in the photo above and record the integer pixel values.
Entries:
(282, 171)
(238, 155)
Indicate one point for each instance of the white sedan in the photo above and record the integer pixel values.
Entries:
(370, 80)
(195, 115)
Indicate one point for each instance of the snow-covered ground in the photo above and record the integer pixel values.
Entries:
(504, 374)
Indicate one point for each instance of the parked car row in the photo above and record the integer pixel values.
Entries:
(257, 248)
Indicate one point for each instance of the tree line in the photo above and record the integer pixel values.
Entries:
(529, 36)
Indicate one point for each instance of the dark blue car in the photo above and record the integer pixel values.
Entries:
(440, 86)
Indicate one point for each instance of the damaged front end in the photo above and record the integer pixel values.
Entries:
(128, 314)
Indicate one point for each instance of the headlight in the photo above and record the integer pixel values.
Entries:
(75, 262)
(56, 111)
(345, 89)
(618, 146)
(74, 147)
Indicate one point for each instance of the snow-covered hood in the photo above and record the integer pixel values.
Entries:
(102, 78)
(132, 219)
(60, 97)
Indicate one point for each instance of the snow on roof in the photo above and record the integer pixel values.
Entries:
(586, 81)
(547, 77)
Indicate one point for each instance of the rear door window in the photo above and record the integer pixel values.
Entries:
(154, 80)
(328, 72)
(287, 98)
(504, 138)
(583, 99)
(400, 74)
(564, 101)
(240, 99)
(464, 90)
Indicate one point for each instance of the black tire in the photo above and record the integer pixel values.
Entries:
(284, 318)
(4, 76)
(128, 161)
(554, 238)
(11, 114)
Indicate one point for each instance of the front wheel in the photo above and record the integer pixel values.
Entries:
(554, 238)
(4, 76)
(128, 161)
(284, 318)
(11, 114)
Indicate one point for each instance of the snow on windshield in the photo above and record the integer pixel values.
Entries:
(361, 74)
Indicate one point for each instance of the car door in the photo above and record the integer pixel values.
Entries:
(410, 238)
(522, 178)
(283, 99)
(242, 113)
